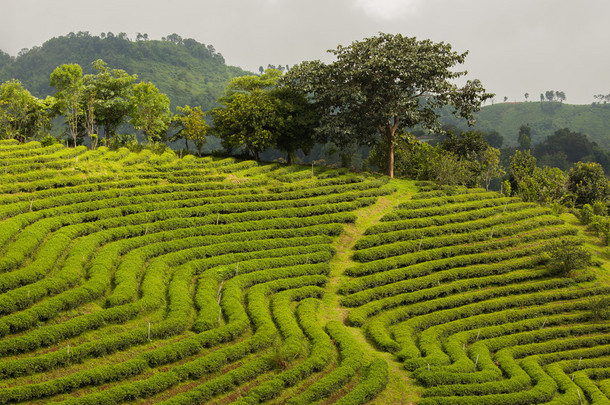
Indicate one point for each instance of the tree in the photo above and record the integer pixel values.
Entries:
(549, 95)
(575, 145)
(259, 114)
(384, 83)
(561, 96)
(191, 122)
(505, 99)
(490, 165)
(566, 255)
(522, 168)
(449, 169)
(247, 120)
(150, 111)
(466, 145)
(87, 109)
(493, 138)
(526, 96)
(112, 90)
(588, 183)
(68, 82)
(22, 114)
(525, 137)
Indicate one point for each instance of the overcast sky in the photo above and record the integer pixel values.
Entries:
(515, 46)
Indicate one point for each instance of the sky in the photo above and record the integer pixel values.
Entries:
(515, 47)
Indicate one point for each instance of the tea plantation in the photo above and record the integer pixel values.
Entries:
(144, 278)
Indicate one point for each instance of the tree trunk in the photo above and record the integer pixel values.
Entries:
(389, 132)
(390, 157)
(291, 158)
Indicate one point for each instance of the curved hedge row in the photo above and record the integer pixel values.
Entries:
(454, 284)
(186, 278)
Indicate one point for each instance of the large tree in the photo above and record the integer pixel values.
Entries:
(112, 89)
(21, 114)
(258, 114)
(384, 83)
(68, 82)
(150, 111)
(192, 126)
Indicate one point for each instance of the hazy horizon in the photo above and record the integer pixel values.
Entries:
(514, 47)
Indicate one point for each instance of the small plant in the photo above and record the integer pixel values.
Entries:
(586, 214)
(600, 307)
(567, 255)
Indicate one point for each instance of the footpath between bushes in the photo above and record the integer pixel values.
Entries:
(400, 389)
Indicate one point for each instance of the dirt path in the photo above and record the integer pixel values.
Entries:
(400, 389)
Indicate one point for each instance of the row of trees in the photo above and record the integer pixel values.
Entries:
(97, 104)
(375, 89)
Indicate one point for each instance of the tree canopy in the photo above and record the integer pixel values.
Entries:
(384, 83)
(257, 114)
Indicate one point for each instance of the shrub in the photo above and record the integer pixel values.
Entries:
(567, 255)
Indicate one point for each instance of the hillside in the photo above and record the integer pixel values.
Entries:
(187, 71)
(544, 119)
(132, 276)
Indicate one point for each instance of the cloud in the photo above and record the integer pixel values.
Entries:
(388, 9)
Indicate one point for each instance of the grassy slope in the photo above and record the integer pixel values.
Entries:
(545, 119)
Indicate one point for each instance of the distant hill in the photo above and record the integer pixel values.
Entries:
(544, 119)
(187, 71)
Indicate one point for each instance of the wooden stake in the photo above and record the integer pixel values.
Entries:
(149, 331)
(476, 362)
(544, 322)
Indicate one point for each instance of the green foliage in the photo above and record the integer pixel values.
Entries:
(546, 185)
(68, 80)
(544, 119)
(150, 112)
(258, 115)
(382, 84)
(565, 256)
(525, 137)
(113, 90)
(187, 71)
(600, 308)
(22, 115)
(586, 214)
(588, 183)
(191, 126)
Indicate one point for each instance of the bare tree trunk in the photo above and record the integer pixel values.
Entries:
(389, 131)
(390, 157)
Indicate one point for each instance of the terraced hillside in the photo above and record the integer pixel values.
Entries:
(126, 276)
(146, 278)
(455, 287)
